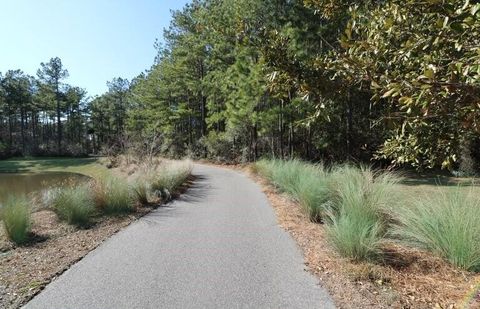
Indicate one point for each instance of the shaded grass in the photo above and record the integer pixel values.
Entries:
(74, 205)
(447, 224)
(16, 217)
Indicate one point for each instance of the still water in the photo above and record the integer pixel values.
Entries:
(24, 184)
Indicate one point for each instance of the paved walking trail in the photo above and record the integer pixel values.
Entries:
(217, 246)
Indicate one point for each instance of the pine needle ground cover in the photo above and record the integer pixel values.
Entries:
(360, 239)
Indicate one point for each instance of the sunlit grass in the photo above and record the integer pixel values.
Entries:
(16, 217)
(113, 195)
(446, 223)
(74, 205)
(304, 182)
(359, 202)
(352, 201)
(167, 178)
(87, 166)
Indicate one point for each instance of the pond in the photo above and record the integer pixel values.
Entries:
(24, 184)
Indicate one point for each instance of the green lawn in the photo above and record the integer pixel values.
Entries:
(87, 166)
(419, 184)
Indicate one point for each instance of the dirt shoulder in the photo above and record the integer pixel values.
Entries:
(409, 278)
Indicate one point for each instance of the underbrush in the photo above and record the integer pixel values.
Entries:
(16, 217)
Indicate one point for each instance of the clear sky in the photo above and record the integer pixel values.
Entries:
(97, 40)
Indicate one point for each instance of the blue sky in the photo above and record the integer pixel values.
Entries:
(97, 40)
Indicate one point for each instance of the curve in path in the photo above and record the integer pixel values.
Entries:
(218, 246)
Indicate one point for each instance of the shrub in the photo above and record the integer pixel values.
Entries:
(359, 199)
(74, 205)
(16, 217)
(219, 146)
(113, 196)
(446, 224)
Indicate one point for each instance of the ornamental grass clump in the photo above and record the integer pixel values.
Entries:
(304, 182)
(446, 224)
(76, 205)
(310, 189)
(141, 188)
(359, 200)
(113, 196)
(283, 174)
(169, 177)
(16, 216)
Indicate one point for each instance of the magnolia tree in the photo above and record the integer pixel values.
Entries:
(422, 59)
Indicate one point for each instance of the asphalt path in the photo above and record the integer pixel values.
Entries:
(217, 246)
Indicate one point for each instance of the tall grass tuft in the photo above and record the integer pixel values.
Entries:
(359, 202)
(141, 188)
(310, 191)
(356, 234)
(169, 177)
(306, 183)
(447, 224)
(16, 217)
(113, 196)
(74, 205)
(283, 174)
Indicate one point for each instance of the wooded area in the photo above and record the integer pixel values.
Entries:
(395, 81)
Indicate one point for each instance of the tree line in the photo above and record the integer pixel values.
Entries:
(394, 81)
(44, 115)
(41, 115)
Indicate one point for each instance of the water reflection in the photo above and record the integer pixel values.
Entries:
(25, 184)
